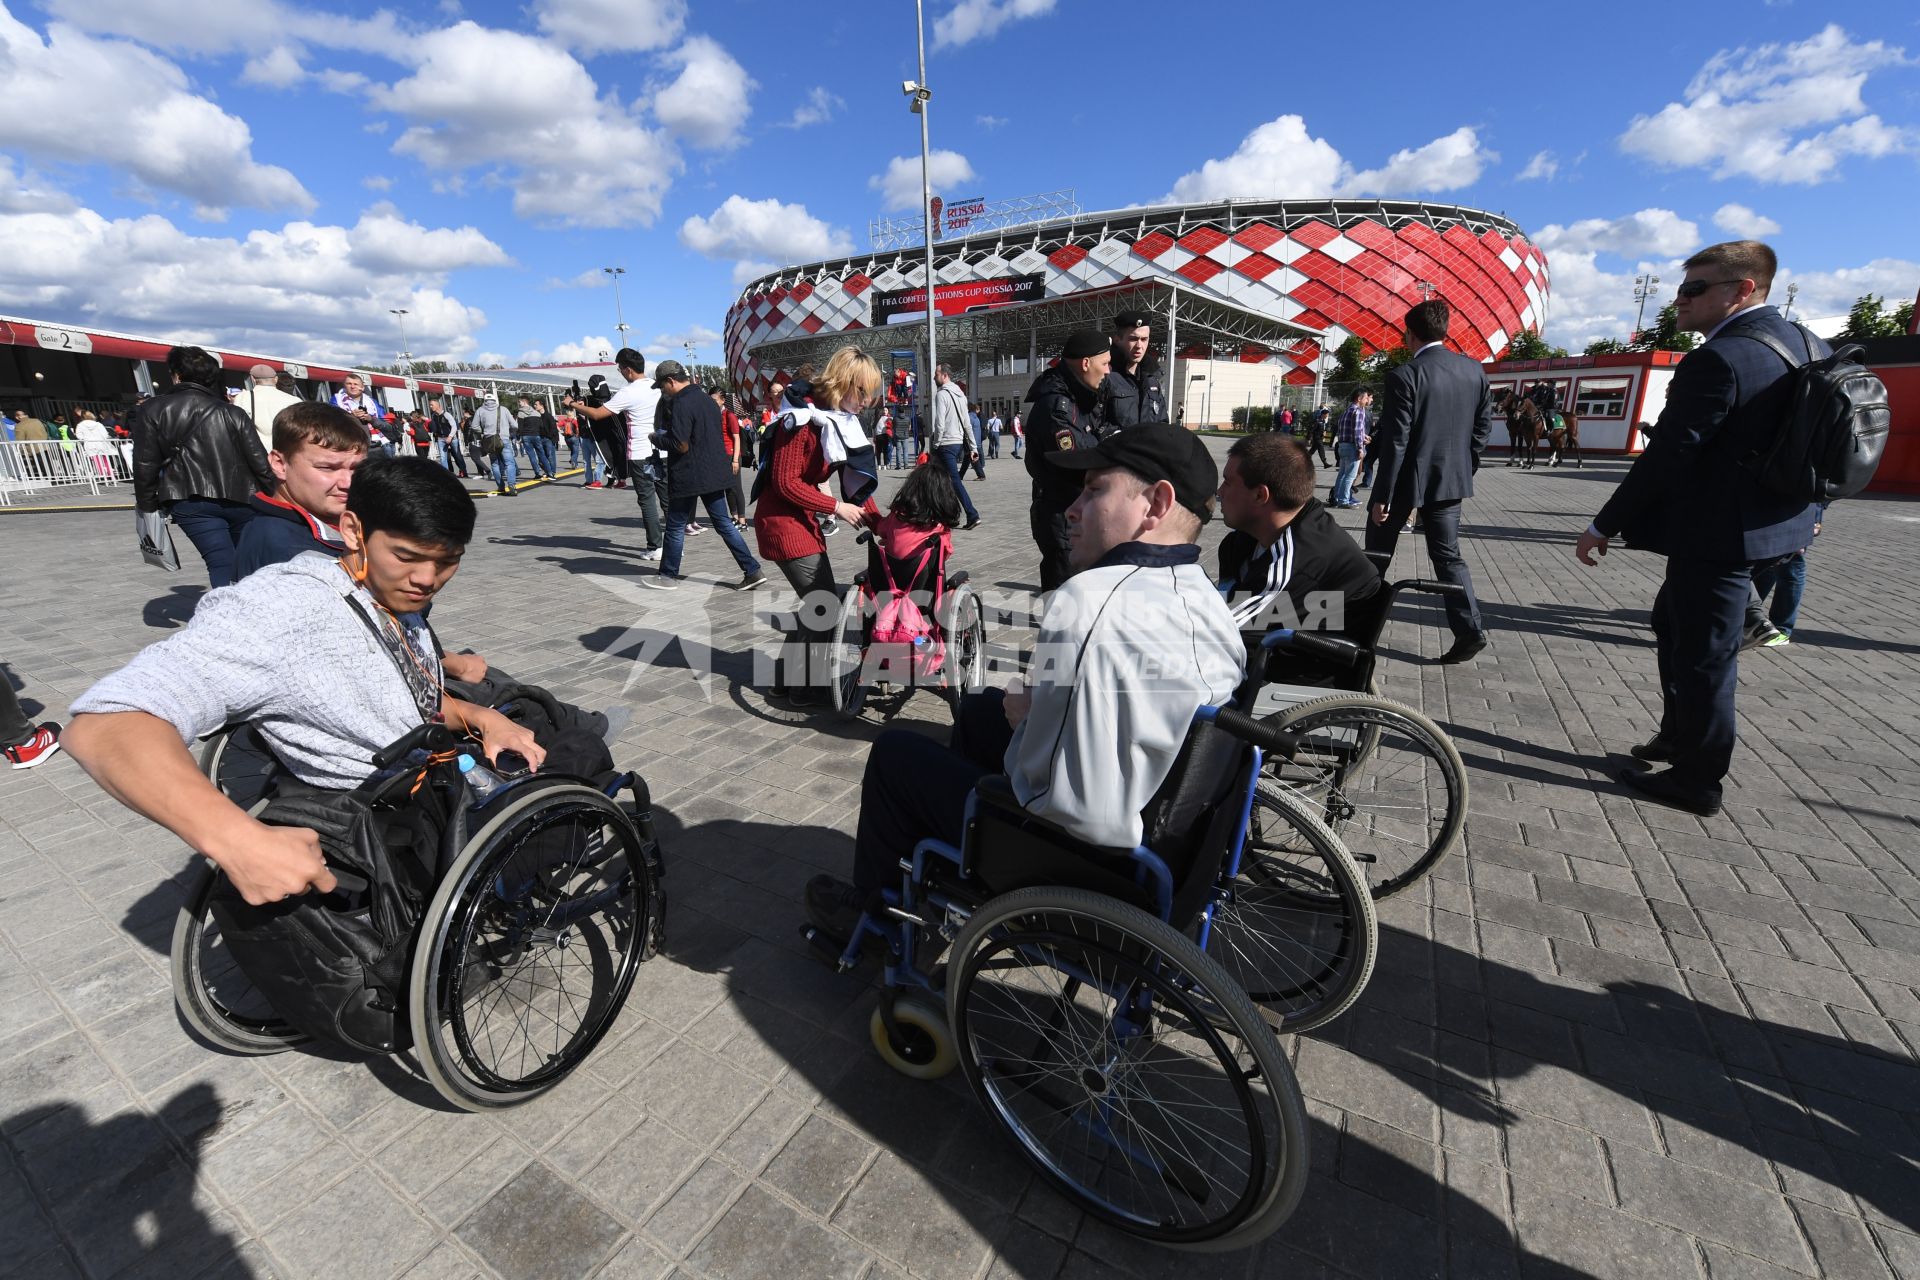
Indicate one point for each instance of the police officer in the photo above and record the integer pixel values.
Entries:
(1068, 413)
(1132, 389)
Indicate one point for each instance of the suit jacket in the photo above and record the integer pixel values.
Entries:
(1435, 418)
(1687, 495)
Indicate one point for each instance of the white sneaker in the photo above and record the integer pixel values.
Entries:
(650, 556)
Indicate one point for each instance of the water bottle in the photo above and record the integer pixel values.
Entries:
(482, 781)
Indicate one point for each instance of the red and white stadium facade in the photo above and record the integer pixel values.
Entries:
(1337, 267)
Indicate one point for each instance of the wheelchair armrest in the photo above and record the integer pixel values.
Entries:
(428, 737)
(1329, 648)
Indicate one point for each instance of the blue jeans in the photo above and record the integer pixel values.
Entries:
(1348, 457)
(949, 455)
(680, 510)
(1786, 581)
(584, 447)
(545, 457)
(506, 468)
(214, 528)
(573, 451)
(450, 455)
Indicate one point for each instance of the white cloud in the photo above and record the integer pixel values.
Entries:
(753, 231)
(377, 182)
(320, 292)
(606, 26)
(972, 20)
(221, 26)
(1280, 158)
(124, 106)
(1832, 293)
(747, 269)
(27, 192)
(591, 278)
(1541, 168)
(1776, 113)
(1277, 159)
(500, 100)
(822, 105)
(707, 103)
(1445, 164)
(278, 68)
(1739, 220)
(989, 122)
(1659, 232)
(586, 351)
(705, 343)
(899, 186)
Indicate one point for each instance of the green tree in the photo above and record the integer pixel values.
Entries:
(1347, 373)
(1869, 318)
(1666, 334)
(1605, 347)
(1529, 345)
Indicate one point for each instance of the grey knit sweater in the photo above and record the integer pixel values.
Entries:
(280, 648)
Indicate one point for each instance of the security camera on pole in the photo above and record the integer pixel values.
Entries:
(918, 95)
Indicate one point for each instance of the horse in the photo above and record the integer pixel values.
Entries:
(1564, 435)
(1525, 429)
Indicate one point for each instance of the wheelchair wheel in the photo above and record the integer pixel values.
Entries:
(1296, 927)
(924, 1047)
(1387, 780)
(966, 631)
(213, 996)
(238, 762)
(529, 947)
(847, 654)
(1131, 1071)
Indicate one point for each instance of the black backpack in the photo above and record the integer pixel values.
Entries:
(1829, 441)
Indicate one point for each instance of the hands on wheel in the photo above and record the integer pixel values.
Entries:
(278, 863)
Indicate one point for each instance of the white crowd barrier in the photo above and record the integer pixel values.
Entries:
(37, 470)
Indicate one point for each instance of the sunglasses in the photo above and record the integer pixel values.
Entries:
(1694, 288)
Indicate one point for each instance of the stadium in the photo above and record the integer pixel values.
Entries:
(1254, 295)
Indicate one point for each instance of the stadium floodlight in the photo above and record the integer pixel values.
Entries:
(618, 314)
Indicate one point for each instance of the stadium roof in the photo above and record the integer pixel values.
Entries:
(1045, 324)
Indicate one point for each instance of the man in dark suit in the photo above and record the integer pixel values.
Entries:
(1688, 498)
(1434, 421)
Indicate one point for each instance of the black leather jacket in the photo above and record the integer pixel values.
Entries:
(190, 443)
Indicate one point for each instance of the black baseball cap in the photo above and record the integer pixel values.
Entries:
(1154, 451)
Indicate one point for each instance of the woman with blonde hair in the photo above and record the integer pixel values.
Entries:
(805, 448)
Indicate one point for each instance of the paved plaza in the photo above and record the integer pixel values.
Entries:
(1605, 1039)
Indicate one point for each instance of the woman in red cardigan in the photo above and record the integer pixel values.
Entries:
(797, 464)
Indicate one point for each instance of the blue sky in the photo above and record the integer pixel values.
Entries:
(279, 177)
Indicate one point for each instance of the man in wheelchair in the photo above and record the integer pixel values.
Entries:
(1287, 562)
(1128, 649)
(329, 659)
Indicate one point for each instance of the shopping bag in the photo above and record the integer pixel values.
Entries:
(156, 540)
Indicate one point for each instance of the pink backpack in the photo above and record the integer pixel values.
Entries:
(898, 618)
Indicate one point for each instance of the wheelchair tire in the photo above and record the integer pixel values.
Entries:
(847, 655)
(1387, 780)
(239, 764)
(213, 996)
(1296, 927)
(1065, 1004)
(490, 936)
(926, 1053)
(966, 630)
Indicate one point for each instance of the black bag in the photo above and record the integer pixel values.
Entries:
(335, 965)
(1830, 440)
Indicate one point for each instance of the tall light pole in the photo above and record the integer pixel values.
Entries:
(618, 314)
(1643, 288)
(1792, 291)
(406, 355)
(918, 95)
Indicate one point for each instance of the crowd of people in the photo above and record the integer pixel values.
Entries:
(308, 524)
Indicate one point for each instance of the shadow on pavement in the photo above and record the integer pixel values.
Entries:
(174, 609)
(121, 1190)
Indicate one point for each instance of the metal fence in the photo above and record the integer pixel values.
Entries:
(39, 470)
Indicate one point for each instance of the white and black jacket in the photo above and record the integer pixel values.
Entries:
(1127, 651)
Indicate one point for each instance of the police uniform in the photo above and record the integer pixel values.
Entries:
(1067, 414)
(1133, 398)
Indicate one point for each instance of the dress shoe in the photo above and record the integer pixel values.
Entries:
(1662, 788)
(1655, 750)
(1465, 648)
(833, 905)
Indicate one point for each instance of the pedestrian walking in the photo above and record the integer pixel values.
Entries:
(1350, 441)
(637, 405)
(953, 437)
(697, 474)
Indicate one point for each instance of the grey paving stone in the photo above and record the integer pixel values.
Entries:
(762, 1235)
(539, 1225)
(1749, 1218)
(358, 1227)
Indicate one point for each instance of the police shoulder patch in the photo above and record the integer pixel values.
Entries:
(1063, 439)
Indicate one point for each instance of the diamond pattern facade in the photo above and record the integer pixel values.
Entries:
(1346, 268)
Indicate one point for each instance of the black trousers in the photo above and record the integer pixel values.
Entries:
(811, 578)
(1050, 536)
(1440, 522)
(914, 789)
(1699, 617)
(15, 728)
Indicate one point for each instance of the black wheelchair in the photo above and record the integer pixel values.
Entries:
(543, 902)
(1385, 778)
(1133, 1071)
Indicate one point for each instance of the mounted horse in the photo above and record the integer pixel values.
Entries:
(1526, 427)
(1564, 434)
